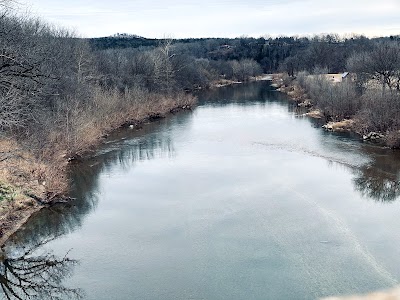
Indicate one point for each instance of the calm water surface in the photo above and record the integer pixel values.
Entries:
(243, 198)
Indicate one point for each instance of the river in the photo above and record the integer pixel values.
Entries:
(242, 198)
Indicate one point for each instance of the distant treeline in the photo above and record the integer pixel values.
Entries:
(329, 51)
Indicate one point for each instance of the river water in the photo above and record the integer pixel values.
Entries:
(243, 198)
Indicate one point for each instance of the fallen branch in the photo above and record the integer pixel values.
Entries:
(50, 202)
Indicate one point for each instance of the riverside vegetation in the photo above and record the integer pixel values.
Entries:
(366, 100)
(60, 95)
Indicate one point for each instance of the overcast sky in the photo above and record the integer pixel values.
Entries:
(222, 18)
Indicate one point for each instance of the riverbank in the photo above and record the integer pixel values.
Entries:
(336, 123)
(227, 82)
(30, 182)
(290, 87)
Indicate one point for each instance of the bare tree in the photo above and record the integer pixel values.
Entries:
(385, 62)
(357, 63)
(381, 64)
(164, 73)
(7, 3)
(14, 110)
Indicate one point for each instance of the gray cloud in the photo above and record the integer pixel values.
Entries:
(222, 18)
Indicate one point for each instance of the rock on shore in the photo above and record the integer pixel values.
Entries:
(373, 136)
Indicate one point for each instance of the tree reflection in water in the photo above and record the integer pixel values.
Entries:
(244, 95)
(375, 169)
(27, 275)
(379, 180)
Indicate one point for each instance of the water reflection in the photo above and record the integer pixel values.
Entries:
(124, 149)
(27, 275)
(241, 94)
(153, 141)
(62, 219)
(376, 169)
(24, 275)
(380, 179)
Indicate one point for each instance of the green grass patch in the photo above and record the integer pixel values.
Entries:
(7, 193)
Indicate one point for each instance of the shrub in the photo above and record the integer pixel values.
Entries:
(337, 101)
(380, 111)
(393, 139)
(6, 193)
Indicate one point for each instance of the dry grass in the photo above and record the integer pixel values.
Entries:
(297, 93)
(341, 126)
(20, 174)
(20, 169)
(43, 173)
(223, 82)
(316, 114)
(107, 111)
